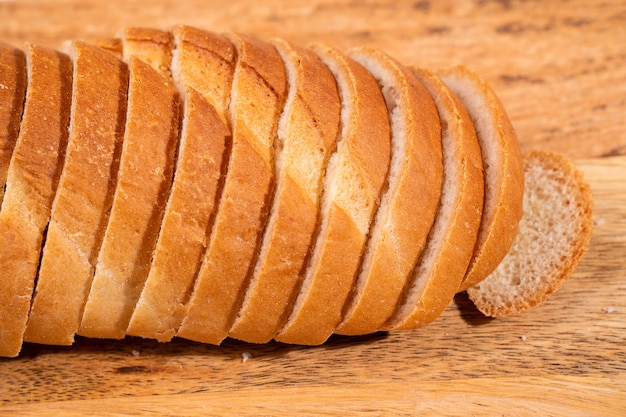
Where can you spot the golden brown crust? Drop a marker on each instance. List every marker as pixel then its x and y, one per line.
pixel 504 171
pixel 409 203
pixel 152 46
pixel 12 92
pixel 84 195
pixel 31 183
pixel 205 61
pixel 443 263
pixel 144 180
pixel 186 222
pixel 307 134
pixel 111 45
pixel 355 178
pixel 554 234
pixel 257 98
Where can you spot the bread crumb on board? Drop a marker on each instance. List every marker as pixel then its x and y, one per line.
pixel 609 310
pixel 245 356
pixel 522 338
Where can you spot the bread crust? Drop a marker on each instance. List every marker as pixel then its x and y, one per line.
pixel 503 167
pixel 12 93
pixel 352 186
pixel 449 248
pixel 152 46
pixel 540 261
pixel 84 195
pixel 307 135
pixel 409 203
pixel 186 222
pixel 204 61
pixel 32 179
pixel 257 98
pixel 144 181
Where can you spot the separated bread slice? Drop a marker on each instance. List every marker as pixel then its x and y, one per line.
pixel 12 91
pixel 554 234
pixel 186 222
pixel 409 203
pixel 352 186
pixel 204 61
pixel 84 195
pixel 256 101
pixel 152 46
pixel 442 264
pixel 144 181
pixel 503 171
pixel 32 180
pixel 307 134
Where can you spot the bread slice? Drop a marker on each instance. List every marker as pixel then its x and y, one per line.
pixel 32 180
pixel 307 134
pixel 257 99
pixel 204 61
pixel 409 203
pixel 12 92
pixel 112 45
pixel 503 170
pixel 186 222
pixel 449 247
pixel 144 181
pixel 553 236
pixel 353 182
pixel 152 46
pixel 84 195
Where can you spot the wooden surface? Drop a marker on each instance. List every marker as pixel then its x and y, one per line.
pixel 560 69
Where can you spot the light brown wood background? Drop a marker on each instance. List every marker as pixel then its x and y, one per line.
pixel 560 69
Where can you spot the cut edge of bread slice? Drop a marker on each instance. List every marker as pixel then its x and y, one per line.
pixel 12 96
pixel 409 203
pixel 144 180
pixel 257 97
pixel 503 169
pixel 307 133
pixel 554 234
pixel 449 248
pixel 84 195
pixel 187 221
pixel 152 46
pixel 32 179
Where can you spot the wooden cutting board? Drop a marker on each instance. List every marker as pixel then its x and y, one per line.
pixel 560 69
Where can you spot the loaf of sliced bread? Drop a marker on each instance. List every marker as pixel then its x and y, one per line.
pixel 352 185
pixel 554 233
pixel 84 195
pixel 442 264
pixel 144 181
pixel 256 101
pixel 32 180
pixel 409 203
pixel 12 91
pixel 307 134
pixel 503 170
pixel 186 222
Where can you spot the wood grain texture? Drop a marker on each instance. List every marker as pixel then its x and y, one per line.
pixel 558 66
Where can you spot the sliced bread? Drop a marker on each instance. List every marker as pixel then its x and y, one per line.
pixel 257 97
pixel 554 234
pixel 144 181
pixel 12 91
pixel 409 202
pixel 503 170
pixel 186 222
pixel 32 180
pixel 449 248
pixel 307 134
pixel 352 185
pixel 84 195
